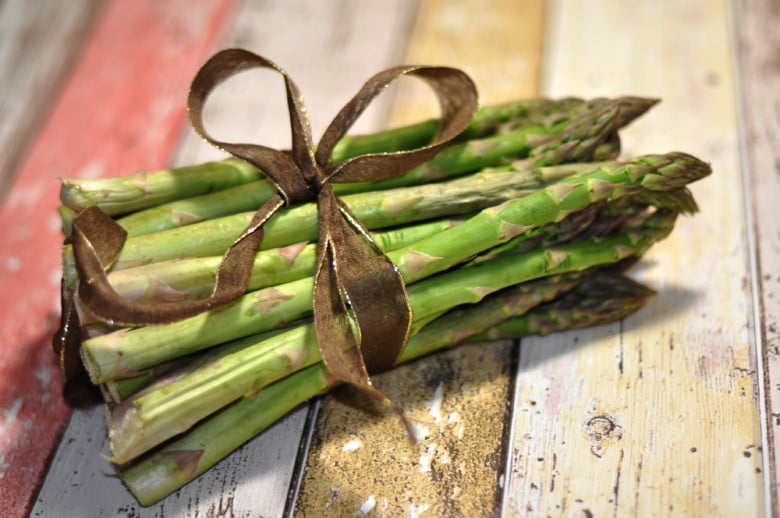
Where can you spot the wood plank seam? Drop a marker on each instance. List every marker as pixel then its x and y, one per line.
pixel 740 49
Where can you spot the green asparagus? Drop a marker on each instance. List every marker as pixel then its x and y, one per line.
pixel 144 422
pixel 122 353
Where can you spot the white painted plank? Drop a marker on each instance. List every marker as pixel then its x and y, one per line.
pixel 659 415
pixel 329 49
pixel 252 482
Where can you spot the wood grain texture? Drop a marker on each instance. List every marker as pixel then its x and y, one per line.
pixel 359 464
pixel 657 415
pixel 77 140
pixel 37 44
pixel 759 72
pixel 254 481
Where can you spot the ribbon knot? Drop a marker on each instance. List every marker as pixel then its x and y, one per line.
pixel 361 309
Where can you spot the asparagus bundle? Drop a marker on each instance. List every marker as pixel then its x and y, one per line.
pixel 523 225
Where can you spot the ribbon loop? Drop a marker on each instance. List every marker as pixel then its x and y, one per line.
pixel 361 309
pixel 457 98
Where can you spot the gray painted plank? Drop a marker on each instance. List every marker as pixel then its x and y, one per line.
pixel 38 41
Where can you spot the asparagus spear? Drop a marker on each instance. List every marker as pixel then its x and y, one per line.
pixel 174 404
pixel 487 121
pixel 128 193
pixel 186 457
pixel 155 416
pixel 119 389
pixel 122 353
pixel 597 299
pixel 121 194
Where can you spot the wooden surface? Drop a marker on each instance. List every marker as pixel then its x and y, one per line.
pixel 672 412
pixel 660 411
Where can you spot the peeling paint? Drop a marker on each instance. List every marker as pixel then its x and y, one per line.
pixel 11 413
pixel 367 506
pixel 352 445
pixel 435 407
pixel 426 458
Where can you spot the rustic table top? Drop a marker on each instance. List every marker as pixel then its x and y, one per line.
pixel 671 412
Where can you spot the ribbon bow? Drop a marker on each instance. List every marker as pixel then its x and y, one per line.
pixel 361 309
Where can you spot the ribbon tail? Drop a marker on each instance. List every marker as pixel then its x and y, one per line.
pixel 361 310
pixel 339 337
pixel 77 390
pixel 98 240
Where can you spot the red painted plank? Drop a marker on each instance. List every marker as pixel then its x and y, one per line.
pixel 122 109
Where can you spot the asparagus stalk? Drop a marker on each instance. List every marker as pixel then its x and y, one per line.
pixel 158 415
pixel 129 193
pixel 374 209
pixel 186 457
pixel 122 194
pixel 596 300
pixel 123 353
pixel 487 121
pixel 173 405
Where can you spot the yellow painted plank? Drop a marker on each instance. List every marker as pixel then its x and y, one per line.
pixel 497 42
pixel 658 415
pixel 361 463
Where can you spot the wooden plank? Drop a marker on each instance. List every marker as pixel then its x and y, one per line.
pixel 255 479
pixel 658 415
pixel 78 140
pixel 360 463
pixel 80 482
pixel 37 45
pixel 759 48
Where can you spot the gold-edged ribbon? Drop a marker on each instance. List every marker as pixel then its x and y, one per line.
pixel 361 309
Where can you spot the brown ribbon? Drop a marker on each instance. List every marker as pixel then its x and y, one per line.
pixel 361 308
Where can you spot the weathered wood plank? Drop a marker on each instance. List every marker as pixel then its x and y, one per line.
pixel 79 139
pixel 353 42
pixel 37 44
pixel 253 482
pixel 658 415
pixel 759 72
pixel 362 464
